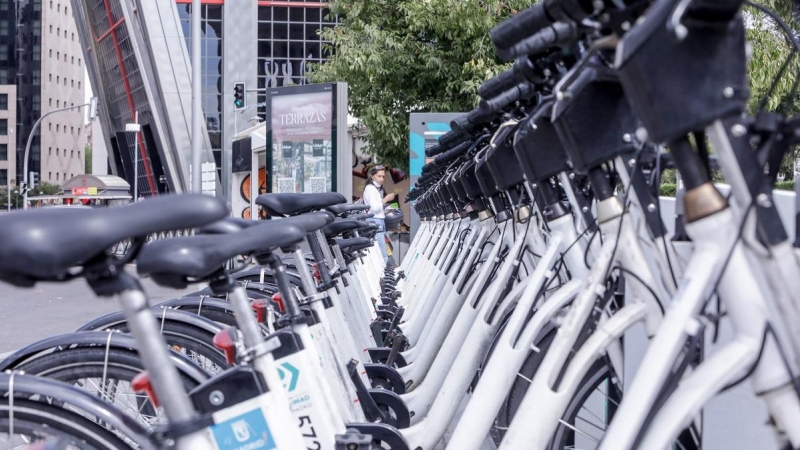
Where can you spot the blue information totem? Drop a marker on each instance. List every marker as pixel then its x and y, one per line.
pixel 425 130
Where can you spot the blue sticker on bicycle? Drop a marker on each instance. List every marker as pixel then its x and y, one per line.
pixel 248 431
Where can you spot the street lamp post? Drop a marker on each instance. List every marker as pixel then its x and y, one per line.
pixel 135 127
pixel 92 111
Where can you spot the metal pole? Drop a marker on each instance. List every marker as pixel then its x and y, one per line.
pixel 9 199
pixel 196 112
pixel 136 159
pixel 28 149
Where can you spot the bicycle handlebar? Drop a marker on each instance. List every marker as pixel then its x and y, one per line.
pixel 452 154
pixel 520 26
pixel 559 33
pixel 538 17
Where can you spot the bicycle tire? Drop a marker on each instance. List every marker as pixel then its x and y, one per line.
pixel 191 339
pixel 41 420
pixel 73 365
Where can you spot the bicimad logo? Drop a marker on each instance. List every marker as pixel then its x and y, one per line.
pixel 288 375
pixel 241 430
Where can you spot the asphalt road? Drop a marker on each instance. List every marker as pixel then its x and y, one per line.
pixel 27 315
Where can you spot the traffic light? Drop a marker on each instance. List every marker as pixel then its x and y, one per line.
pixel 34 179
pixel 238 95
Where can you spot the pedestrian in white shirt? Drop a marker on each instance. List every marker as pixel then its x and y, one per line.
pixel 376 198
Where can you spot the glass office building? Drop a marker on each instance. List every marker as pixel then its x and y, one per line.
pixel 287 43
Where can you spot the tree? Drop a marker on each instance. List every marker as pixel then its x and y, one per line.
pixel 408 55
pixel 16 198
pixel 45 188
pixel 770 50
pixel 87 162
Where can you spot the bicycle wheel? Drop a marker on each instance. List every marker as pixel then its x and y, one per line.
pixel 520 387
pixel 107 375
pixel 195 343
pixel 591 409
pixel 35 421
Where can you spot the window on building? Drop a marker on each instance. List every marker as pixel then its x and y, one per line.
pixel 66 10
pixel 72 154
pixel 3 152
pixel 58 55
pixel 72 82
pixel 3 102
pixel 65 55
pixel 79 84
pixel 50 77
pixel 51 53
pixel 51 4
pixel 4 6
pixel 3 127
pixel 50 125
pixel 4 24
pixel 57 176
pixel 58 78
pixel 37 77
pixel 3 177
pixel 58 128
pixel 71 130
pixel 58 105
pixel 72 60
pixel 58 151
pixel 3 52
pixel 79 152
pixel 49 176
pixel 37 52
pixel 66 34
pixel 37 28
pixel 59 7
pixel 79 62
pixel 37 6
pixel 51 29
pixel 73 37
pixel 3 76
pixel 50 103
pixel 58 31
pixel 49 151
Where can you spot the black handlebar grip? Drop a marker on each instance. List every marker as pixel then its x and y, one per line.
pixel 557 34
pixel 451 138
pixel 480 115
pixel 460 124
pixel 520 26
pixel 452 154
pixel 434 150
pixel 498 84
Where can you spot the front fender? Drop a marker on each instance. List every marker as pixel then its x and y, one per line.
pixel 95 338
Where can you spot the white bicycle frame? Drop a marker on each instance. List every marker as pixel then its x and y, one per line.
pixel 544 403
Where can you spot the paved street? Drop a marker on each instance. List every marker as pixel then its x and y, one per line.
pixel 27 315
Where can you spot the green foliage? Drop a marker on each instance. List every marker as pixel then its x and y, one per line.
pixel 785 185
pixel 770 49
pixel 45 188
pixel 667 190
pixel 407 56
pixel 87 162
pixel 16 198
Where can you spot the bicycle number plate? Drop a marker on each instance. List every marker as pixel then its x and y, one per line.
pixel 242 427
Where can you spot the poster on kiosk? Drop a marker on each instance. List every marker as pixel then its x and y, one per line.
pixel 300 147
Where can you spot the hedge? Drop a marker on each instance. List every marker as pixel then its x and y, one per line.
pixel 668 189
